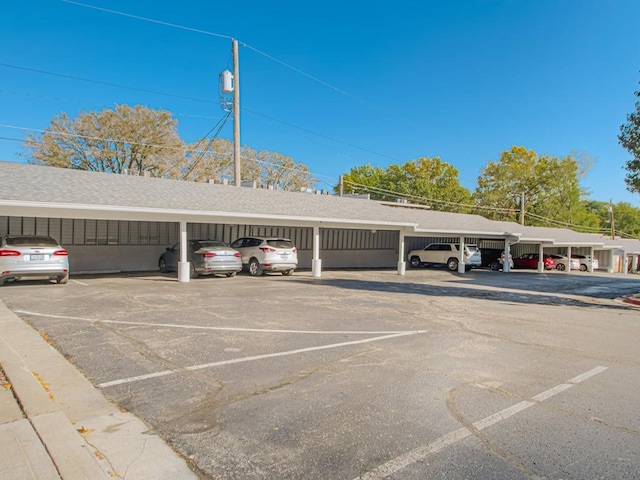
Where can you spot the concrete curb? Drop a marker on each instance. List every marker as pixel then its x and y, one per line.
pixel 81 434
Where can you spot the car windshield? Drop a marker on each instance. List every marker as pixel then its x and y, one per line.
pixel 211 243
pixel 280 243
pixel 32 241
pixel 472 248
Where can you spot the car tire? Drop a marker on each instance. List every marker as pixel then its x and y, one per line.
pixel 560 267
pixel 162 265
pixel 415 262
pixel 193 273
pixel 232 274
pixel 255 270
pixel 583 267
pixel 452 264
pixel 62 280
pixel 287 273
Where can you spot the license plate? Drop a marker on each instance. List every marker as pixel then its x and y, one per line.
pixel 284 256
pixel 36 257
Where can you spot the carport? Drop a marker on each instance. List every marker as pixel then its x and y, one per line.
pixel 38 191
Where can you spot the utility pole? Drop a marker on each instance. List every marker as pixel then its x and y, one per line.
pixel 522 209
pixel 613 225
pixel 341 185
pixel 236 115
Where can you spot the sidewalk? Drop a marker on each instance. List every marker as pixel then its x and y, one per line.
pixel 55 425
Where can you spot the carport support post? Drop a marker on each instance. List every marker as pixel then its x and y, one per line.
pixel 634 263
pixel 612 259
pixel 402 265
pixel 316 262
pixel 590 264
pixel 506 266
pixel 568 259
pixel 540 259
pixel 461 265
pixel 183 265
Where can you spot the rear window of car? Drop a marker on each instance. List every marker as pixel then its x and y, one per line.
pixel 32 241
pixel 211 243
pixel 280 243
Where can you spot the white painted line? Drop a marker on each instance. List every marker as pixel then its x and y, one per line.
pixel 228 329
pixel 79 283
pixel 256 357
pixel 403 461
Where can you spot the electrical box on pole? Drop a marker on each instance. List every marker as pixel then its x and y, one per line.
pixel 226 82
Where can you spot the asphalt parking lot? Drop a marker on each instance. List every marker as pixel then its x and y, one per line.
pixel 363 374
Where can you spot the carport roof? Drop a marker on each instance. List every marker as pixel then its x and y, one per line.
pixel 34 190
pixel 39 191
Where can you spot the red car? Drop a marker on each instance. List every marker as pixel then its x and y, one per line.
pixel 530 260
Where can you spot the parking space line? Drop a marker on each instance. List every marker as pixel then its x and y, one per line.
pixel 257 357
pixel 202 327
pixel 393 466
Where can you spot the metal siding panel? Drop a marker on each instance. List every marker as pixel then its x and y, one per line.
pixel 123 232
pixel 66 237
pixel 28 226
pixel 153 233
pixel 90 237
pixel 112 232
pixel 102 235
pixel 134 233
pixel 55 229
pixel 78 232
pixel 42 226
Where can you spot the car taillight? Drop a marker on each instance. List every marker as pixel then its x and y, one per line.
pixel 295 249
pixel 9 253
pixel 61 253
pixel 267 249
pixel 237 254
pixel 209 255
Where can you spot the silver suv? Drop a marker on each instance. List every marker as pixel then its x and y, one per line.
pixel 273 254
pixel 445 254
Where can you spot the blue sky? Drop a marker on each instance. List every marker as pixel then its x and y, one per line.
pixel 338 84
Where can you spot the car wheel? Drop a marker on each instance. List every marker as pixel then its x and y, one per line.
pixel 288 273
pixel 162 265
pixel 415 262
pixel 452 264
pixel 192 271
pixel 254 268
pixel 495 266
pixel 583 268
pixel 62 280
pixel 560 267
pixel 232 274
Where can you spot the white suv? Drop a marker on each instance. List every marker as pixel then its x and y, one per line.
pixel 260 254
pixel 445 254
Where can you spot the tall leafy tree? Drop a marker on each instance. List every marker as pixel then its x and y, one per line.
pixel 213 159
pixel 629 138
pixel 137 139
pixel 550 185
pixel 428 181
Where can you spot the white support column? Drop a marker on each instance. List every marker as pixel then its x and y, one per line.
pixel 612 259
pixel 625 264
pixel 634 264
pixel 183 265
pixel 568 259
pixel 540 259
pixel 590 264
pixel 461 266
pixel 316 262
pixel 402 265
pixel 506 266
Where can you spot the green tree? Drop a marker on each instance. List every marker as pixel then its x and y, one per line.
pixel 136 139
pixel 629 138
pixel 428 181
pixel 551 187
